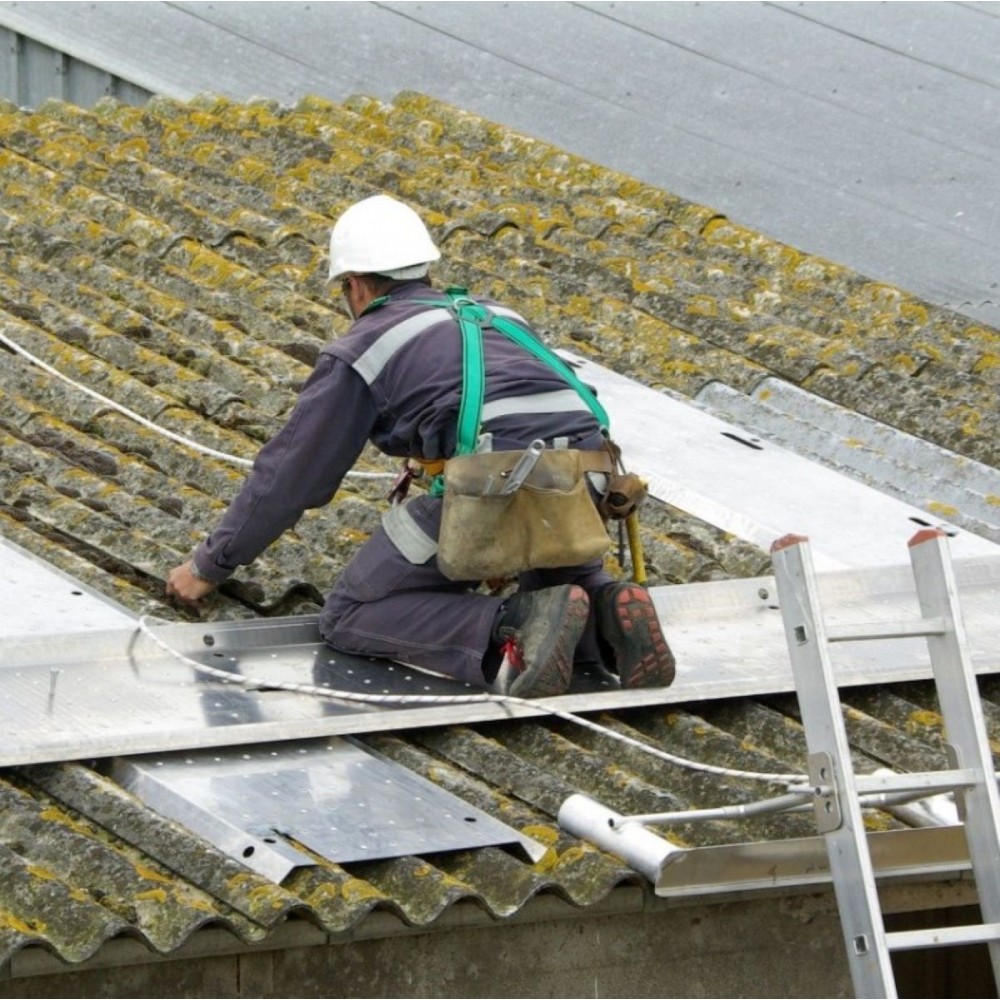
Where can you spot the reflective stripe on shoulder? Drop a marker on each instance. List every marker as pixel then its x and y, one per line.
pixel 371 363
pixel 509 314
pixel 559 401
pixel 411 540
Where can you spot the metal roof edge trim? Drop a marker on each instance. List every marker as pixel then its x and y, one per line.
pixel 66 42
pixel 925 853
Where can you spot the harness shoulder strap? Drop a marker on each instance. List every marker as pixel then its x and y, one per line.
pixel 472 317
pixel 470 413
pixel 520 336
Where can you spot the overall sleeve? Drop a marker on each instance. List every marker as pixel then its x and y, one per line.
pixel 299 468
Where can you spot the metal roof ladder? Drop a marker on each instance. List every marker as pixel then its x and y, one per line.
pixel 836 788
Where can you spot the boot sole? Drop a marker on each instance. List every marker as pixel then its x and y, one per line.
pixel 548 652
pixel 628 621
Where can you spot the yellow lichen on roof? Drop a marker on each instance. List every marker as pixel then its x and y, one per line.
pixel 173 257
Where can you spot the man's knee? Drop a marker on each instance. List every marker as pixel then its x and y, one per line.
pixel 337 607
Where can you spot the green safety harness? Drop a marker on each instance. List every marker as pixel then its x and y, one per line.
pixel 472 317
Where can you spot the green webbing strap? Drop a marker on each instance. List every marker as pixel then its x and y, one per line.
pixel 470 320
pixel 524 339
pixel 471 317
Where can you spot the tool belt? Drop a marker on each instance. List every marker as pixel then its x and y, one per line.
pixel 547 521
pixel 507 512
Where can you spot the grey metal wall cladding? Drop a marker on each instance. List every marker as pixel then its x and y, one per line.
pixel 32 72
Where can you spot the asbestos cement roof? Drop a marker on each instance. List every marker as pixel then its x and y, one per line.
pixel 861 132
pixel 172 257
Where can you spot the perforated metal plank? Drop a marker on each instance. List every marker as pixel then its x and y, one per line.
pixel 342 801
pixel 37 599
pixel 109 694
pixel 755 489
pixel 118 693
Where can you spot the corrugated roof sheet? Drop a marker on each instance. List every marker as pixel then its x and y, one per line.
pixel 172 257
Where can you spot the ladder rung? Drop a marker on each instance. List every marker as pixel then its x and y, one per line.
pixel 848 850
pixel 943 937
pixel 886 630
pixel 925 781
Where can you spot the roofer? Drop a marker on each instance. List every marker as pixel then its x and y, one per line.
pixel 398 379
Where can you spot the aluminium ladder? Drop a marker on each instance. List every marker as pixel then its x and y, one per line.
pixel 836 787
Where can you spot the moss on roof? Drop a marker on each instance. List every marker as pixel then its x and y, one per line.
pixel 173 257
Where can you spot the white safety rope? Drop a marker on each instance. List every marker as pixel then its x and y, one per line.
pixel 156 428
pixel 479 697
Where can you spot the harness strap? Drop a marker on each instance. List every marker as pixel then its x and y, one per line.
pixel 472 317
pixel 524 339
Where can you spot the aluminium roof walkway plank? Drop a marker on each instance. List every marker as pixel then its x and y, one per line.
pixel 94 695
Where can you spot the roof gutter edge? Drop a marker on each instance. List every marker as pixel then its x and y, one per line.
pixel 694 876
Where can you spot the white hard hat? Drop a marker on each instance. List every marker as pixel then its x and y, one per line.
pixel 380 235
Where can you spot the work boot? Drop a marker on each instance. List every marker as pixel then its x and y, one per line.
pixel 536 633
pixel 627 623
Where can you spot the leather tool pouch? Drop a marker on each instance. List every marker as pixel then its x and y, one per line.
pixel 550 521
pixel 625 494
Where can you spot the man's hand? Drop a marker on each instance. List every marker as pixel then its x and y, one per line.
pixel 185 586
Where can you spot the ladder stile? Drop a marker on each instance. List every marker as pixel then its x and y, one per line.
pixel 838 808
pixel 836 790
pixel 965 726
